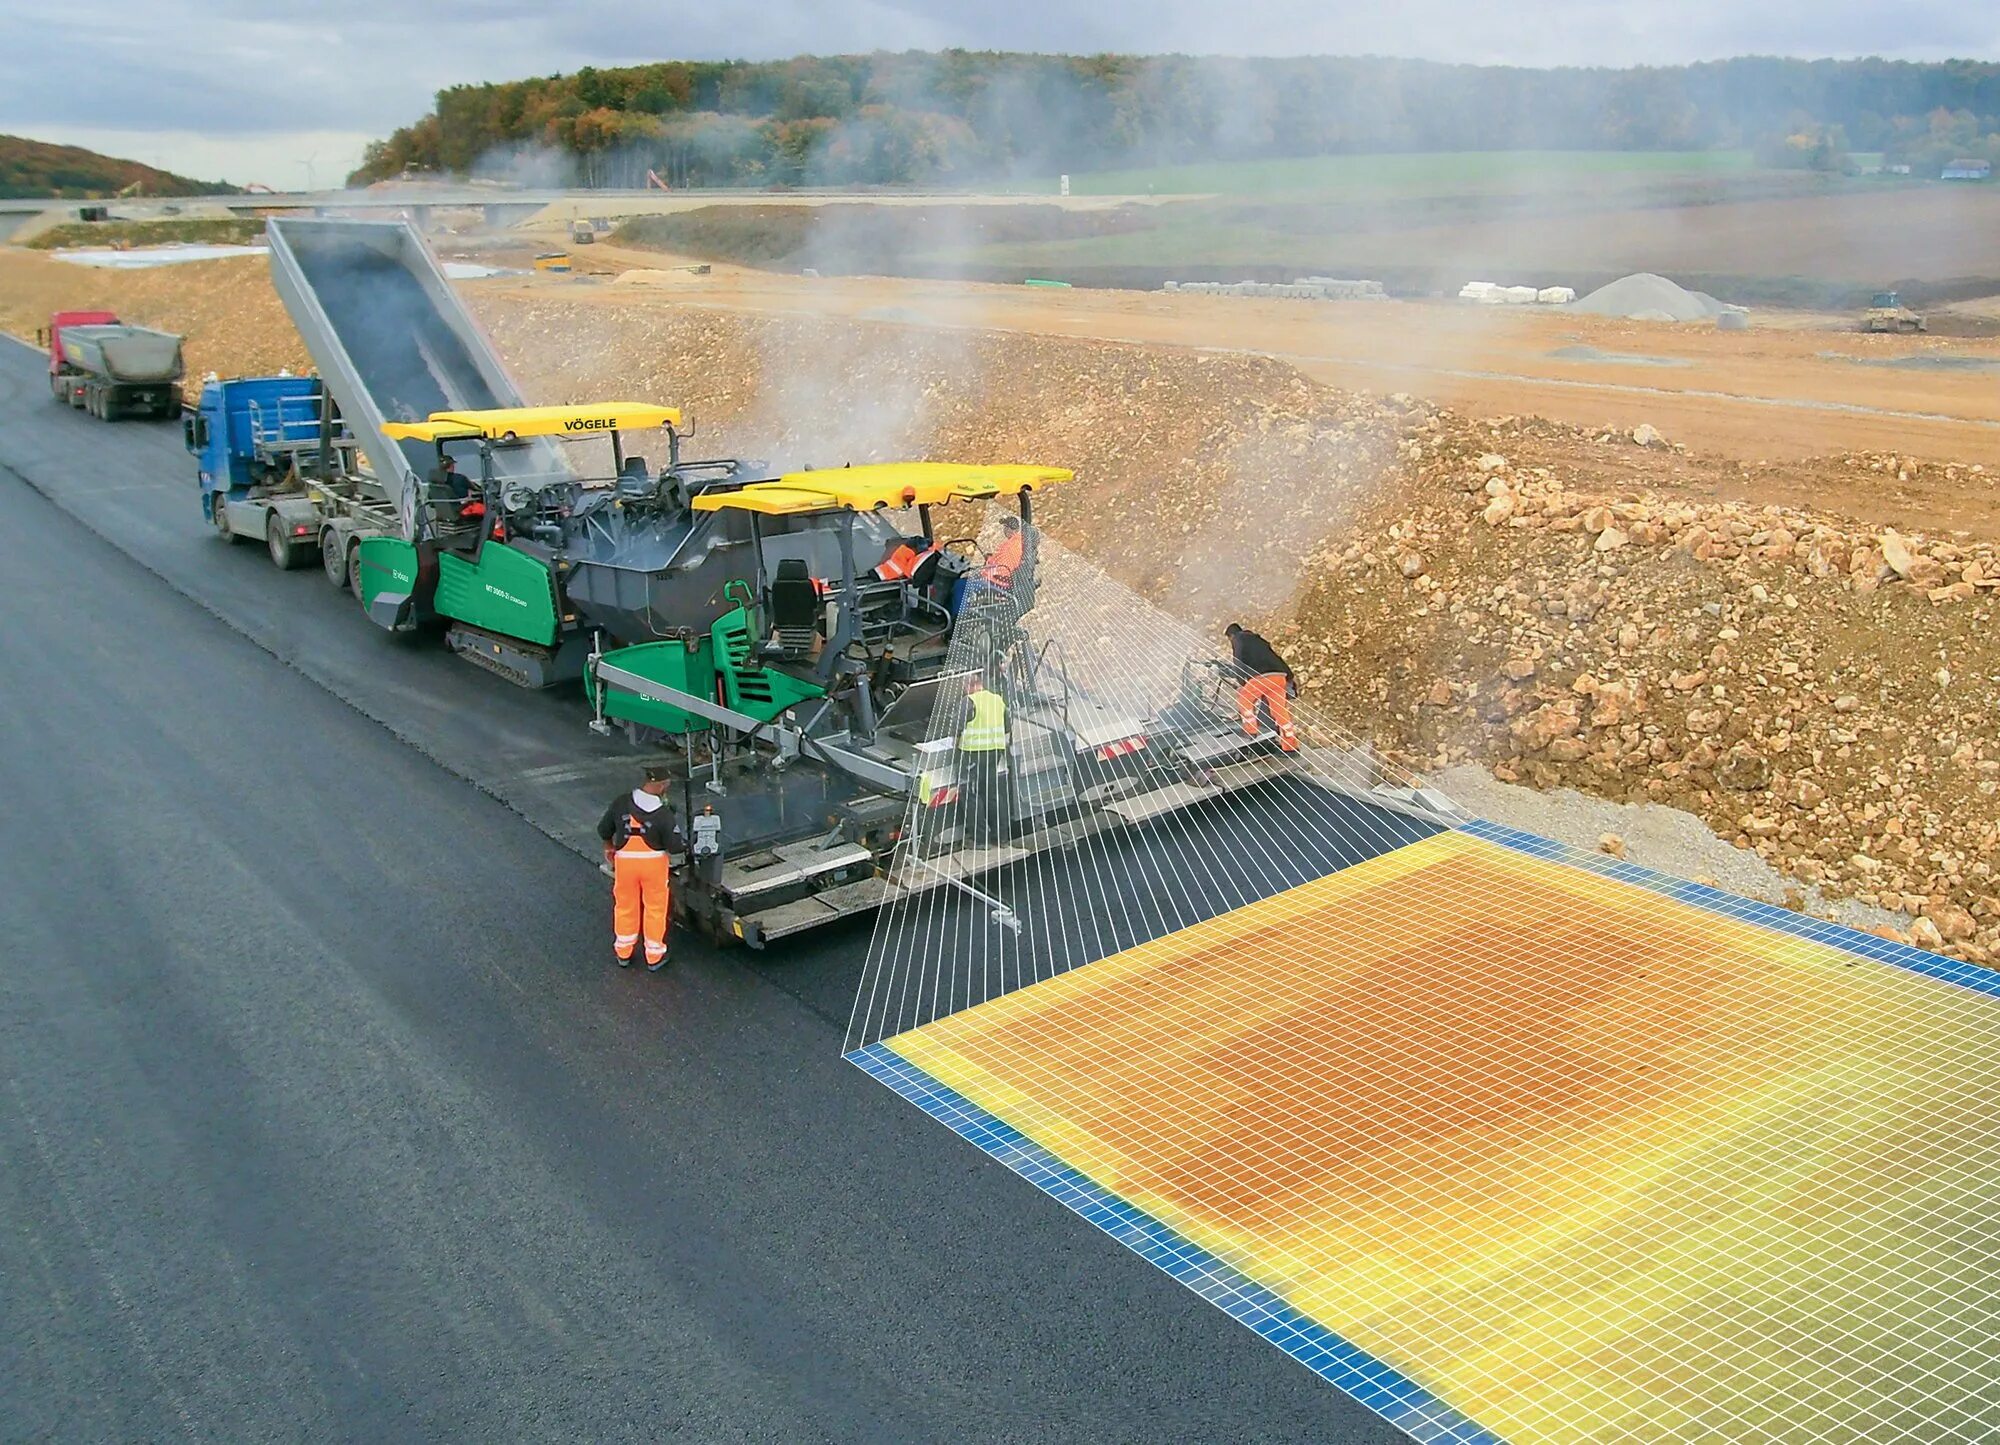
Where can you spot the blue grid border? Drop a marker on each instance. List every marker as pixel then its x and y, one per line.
pixel 1388 1392
pixel 1744 910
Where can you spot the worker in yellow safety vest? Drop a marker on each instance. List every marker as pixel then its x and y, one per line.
pixel 639 836
pixel 982 751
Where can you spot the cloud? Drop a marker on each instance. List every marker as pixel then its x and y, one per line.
pixel 233 71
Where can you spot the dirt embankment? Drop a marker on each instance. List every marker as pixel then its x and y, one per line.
pixel 1564 605
pixel 232 320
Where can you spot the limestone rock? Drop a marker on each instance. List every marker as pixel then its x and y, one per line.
pixel 1744 770
pixel 1954 924
pixel 1535 732
pixel 1896 553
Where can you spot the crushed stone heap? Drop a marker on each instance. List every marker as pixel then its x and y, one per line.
pixel 1646 297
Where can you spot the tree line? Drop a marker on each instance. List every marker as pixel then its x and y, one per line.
pixel 955 116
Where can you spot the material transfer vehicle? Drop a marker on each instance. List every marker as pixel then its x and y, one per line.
pixel 798 643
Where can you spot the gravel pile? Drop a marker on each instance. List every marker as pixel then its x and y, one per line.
pixel 1652 835
pixel 1646 297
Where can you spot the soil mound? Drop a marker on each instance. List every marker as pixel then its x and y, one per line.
pixel 1646 297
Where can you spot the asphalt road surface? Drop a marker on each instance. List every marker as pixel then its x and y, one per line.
pixel 323 1115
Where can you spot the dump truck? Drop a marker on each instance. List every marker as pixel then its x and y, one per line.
pixel 112 370
pixel 1886 312
pixel 276 464
pixel 792 642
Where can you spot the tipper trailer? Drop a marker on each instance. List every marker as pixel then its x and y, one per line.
pixel 795 643
pixel 111 370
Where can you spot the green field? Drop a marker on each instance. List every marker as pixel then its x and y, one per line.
pixel 1421 224
pixel 1420 174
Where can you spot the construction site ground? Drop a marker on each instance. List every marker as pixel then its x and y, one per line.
pixel 1748 575
pixel 310 1131
pixel 1796 386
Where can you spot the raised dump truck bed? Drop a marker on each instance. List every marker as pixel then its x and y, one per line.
pixel 386 331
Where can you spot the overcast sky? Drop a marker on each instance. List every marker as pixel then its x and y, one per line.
pixel 289 92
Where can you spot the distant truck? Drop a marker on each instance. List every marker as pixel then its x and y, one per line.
pixel 277 465
pixel 112 370
pixel 1886 312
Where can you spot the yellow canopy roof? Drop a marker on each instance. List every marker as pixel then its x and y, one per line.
pixel 885 484
pixel 535 421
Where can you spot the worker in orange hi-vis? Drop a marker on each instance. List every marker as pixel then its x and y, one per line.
pixel 639 836
pixel 1267 682
pixel 1005 560
pixel 904 559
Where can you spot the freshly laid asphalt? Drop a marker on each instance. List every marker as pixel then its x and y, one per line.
pixel 323 1114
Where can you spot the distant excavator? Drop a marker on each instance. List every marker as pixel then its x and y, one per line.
pixel 1886 312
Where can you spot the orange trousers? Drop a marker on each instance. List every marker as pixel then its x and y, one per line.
pixel 1269 689
pixel 641 894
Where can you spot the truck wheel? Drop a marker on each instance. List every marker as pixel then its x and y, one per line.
pixel 284 556
pixel 219 516
pixel 333 557
pixel 354 568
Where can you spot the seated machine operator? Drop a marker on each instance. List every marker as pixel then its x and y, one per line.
pixel 448 485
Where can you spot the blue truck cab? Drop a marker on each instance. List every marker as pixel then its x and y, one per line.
pixel 277 465
pixel 245 432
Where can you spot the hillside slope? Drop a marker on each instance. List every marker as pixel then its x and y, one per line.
pixel 42 168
